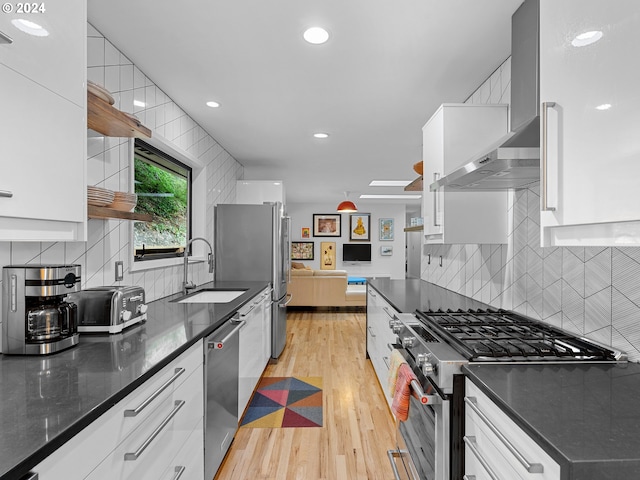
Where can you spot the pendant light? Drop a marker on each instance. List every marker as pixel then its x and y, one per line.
pixel 347 206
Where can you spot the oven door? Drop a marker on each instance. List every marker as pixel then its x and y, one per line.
pixel 423 440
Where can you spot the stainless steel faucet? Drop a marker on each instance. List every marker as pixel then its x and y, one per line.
pixel 186 284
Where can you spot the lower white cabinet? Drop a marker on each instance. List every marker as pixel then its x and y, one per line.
pixel 254 355
pixel 497 448
pixel 380 336
pixel 144 434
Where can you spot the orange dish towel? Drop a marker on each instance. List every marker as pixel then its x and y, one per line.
pixel 394 364
pixel 402 395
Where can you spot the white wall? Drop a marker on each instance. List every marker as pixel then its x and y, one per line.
pixel 391 266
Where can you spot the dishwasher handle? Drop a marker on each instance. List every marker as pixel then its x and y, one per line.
pixel 219 344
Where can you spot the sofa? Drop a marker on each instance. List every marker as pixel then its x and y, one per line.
pixel 324 288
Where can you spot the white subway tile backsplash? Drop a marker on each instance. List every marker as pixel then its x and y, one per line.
pixel 95 52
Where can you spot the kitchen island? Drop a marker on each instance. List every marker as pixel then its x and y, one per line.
pixel 46 400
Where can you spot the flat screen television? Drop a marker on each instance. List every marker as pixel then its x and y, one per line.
pixel 356 252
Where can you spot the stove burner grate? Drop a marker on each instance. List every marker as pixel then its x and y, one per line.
pixel 498 334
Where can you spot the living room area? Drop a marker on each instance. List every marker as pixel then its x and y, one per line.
pixel 334 253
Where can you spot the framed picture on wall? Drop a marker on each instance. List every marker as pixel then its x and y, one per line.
pixel 386 229
pixel 326 225
pixel 305 232
pixel 327 255
pixel 302 250
pixel 359 226
pixel 386 250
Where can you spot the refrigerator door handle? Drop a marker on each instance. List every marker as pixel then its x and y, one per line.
pixel 287 302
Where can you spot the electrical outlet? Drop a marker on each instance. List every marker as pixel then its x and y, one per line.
pixel 119 271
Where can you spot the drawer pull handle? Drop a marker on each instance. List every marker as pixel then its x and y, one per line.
pixel 135 455
pixel 473 446
pixel 373 335
pixel 529 467
pixel 154 395
pixel 4 38
pixel 386 361
pixel 386 310
pixel 180 470
pixel 469 477
pixel 6 193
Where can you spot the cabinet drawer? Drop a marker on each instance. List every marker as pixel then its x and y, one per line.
pixel 110 429
pixel 542 466
pixel 188 464
pixel 150 449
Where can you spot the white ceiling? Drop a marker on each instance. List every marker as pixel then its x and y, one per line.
pixel 386 68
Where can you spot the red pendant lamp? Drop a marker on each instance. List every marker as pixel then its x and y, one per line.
pixel 347 206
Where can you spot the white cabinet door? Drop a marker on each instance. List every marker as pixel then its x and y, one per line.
pixel 45 171
pixel 266 327
pixel 379 336
pixel 252 355
pixel 593 146
pixel 452 136
pixel 56 61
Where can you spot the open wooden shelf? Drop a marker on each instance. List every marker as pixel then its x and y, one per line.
pixel 415 186
pixel 103 212
pixel 417 228
pixel 109 121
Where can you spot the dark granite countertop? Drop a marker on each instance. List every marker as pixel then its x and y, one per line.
pixel 410 295
pixel 46 400
pixel 585 416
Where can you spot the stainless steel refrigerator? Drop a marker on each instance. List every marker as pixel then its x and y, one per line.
pixel 252 244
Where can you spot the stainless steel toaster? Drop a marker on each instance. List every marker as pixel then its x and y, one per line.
pixel 109 309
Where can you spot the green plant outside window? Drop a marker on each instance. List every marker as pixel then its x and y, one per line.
pixel 163 187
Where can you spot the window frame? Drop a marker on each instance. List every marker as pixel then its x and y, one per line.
pixel 189 177
pixel 197 199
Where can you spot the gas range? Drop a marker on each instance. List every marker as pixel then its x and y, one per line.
pixel 440 342
pixel 436 345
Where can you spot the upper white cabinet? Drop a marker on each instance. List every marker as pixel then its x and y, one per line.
pixel 260 191
pixel 43 123
pixel 454 134
pixel 589 93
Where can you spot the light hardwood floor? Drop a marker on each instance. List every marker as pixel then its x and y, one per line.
pixel 358 428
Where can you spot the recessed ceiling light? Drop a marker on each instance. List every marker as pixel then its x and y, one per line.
pixel 396 197
pixel 604 106
pixel 138 103
pixel 316 35
pixel 586 38
pixel 389 183
pixel 213 104
pixel 29 27
pixel 321 135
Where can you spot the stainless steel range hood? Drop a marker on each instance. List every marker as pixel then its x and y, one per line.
pixel 514 160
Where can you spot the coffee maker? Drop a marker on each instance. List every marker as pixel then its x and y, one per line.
pixel 38 318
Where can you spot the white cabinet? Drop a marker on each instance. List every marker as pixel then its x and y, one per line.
pixel 454 134
pixel 380 336
pixel 593 146
pixel 495 447
pixel 124 444
pixel 43 124
pixel 254 355
pixel 260 191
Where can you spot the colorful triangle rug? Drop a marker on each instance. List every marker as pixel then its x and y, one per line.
pixel 285 402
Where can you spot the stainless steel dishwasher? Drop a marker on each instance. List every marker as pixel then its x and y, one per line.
pixel 221 358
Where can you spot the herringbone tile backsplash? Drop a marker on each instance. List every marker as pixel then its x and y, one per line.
pixel 591 291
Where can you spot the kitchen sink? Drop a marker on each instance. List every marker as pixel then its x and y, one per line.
pixel 211 296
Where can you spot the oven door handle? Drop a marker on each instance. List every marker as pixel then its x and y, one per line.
pixel 393 454
pixel 423 397
pixel 529 467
